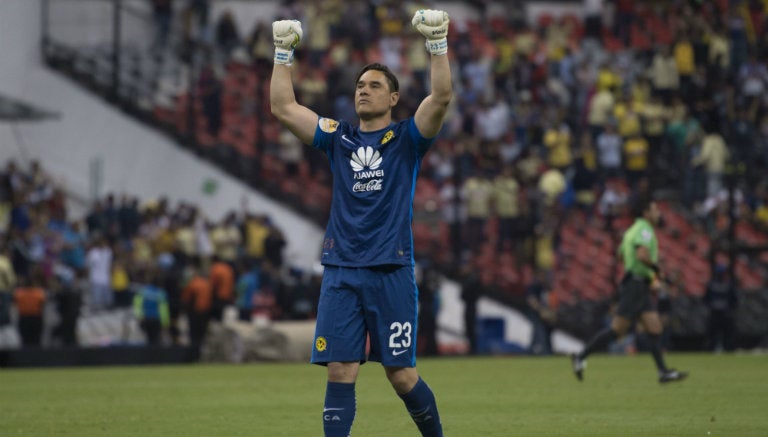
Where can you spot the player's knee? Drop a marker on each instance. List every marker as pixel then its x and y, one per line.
pixel 403 379
pixel 620 327
pixel 343 372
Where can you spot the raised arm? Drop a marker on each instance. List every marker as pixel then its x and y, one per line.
pixel 431 112
pixel 297 118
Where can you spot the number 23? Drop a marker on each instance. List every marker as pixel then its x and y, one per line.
pixel 401 334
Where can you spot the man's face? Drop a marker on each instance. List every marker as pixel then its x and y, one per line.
pixel 653 213
pixel 373 97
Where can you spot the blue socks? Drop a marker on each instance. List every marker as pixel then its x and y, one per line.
pixel 420 402
pixel 339 410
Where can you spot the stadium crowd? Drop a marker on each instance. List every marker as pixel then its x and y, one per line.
pixel 163 260
pixel 556 120
pixel 562 114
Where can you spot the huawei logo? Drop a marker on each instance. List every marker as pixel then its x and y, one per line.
pixel 365 157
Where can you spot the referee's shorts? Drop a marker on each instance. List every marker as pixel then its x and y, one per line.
pixel 634 296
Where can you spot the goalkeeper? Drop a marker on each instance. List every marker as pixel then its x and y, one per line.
pixel 368 288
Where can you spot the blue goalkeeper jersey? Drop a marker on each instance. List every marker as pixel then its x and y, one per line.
pixel 374 180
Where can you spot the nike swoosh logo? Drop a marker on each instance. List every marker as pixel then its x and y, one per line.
pixel 344 137
pixel 396 353
pixel 332 409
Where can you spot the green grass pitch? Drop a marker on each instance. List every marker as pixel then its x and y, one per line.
pixel 726 395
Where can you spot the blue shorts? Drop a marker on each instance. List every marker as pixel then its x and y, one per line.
pixel 356 302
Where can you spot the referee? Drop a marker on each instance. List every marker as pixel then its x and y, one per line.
pixel 639 251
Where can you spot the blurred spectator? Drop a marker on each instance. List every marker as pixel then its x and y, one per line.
pixel 183 235
pixel 210 88
pixel 626 112
pixel 30 298
pixel 73 244
pixel 163 10
pixel 721 300
pixel 545 250
pixel 719 53
pixel 390 16
pixel 558 140
pixel 256 230
pixel 477 73
pixel 685 63
pixel 197 299
pixel 95 220
pixel 274 245
pixel 585 180
pixel 654 115
pixel 150 306
pixel 259 44
pixel 477 193
pixel 222 278
pixel 623 20
pixel 21 258
pixel 99 263
pixel 506 204
pixel 120 281
pixel 453 214
pixel 227 34
pixel 7 285
pixel 227 239
pixel 313 90
pixel 492 119
pixel 20 212
pixel 202 228
pixel 418 62
pixel 663 73
pixel 291 152
pixel 552 185
pixel 741 136
pixel 111 220
pixel 128 218
pixel 324 15
pixel 195 19
pixel 68 297
pixel 471 290
pixel 712 157
pixel 541 316
pixel 301 298
pixel 636 151
pixel 428 281
pixel 248 286
pixel 753 80
pixel 611 203
pixel 600 110
pixel 173 270
pixel 610 148
pixel 593 18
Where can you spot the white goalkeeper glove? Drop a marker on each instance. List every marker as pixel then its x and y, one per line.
pixel 286 35
pixel 433 25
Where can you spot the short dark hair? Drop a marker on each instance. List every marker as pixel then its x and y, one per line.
pixel 394 85
pixel 640 205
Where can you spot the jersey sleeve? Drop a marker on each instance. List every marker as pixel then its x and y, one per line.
pixel 326 128
pixel 422 144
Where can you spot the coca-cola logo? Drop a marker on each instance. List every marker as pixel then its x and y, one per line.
pixel 364 187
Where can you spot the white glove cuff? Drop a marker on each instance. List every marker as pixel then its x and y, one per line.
pixel 283 56
pixel 438 46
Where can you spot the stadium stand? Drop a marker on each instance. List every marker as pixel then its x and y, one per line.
pixel 673 81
